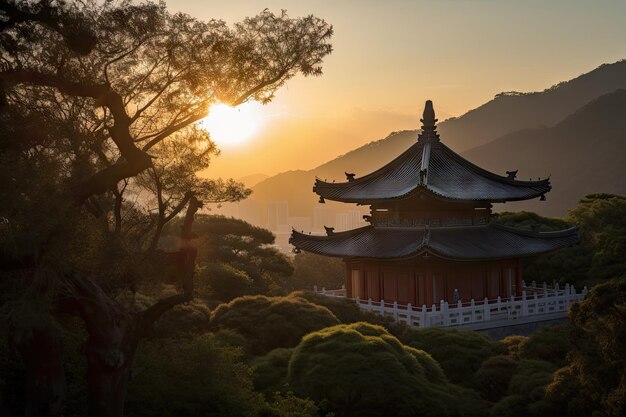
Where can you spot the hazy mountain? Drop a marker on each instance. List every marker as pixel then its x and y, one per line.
pixel 585 153
pixel 509 112
pixel 253 179
pixel 574 131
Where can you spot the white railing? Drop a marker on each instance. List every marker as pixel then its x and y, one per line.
pixel 341 292
pixel 536 303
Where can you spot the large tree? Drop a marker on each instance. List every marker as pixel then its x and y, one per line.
pixel 95 96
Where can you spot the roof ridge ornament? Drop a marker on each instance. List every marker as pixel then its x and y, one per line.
pixel 429 124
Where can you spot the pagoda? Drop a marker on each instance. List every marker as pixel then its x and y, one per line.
pixel 430 237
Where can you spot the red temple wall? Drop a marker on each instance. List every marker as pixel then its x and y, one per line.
pixel 427 282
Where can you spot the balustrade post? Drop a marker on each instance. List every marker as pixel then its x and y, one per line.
pixel 584 291
pixel 423 316
pixel 445 312
pixel 486 309
pixel 499 303
pixel 323 290
pixel 524 304
pixel 523 283
pixel 409 314
pixel 534 284
pixel 566 296
pixel 472 308
pixel 369 302
pixel 395 310
pixel 382 307
pixel 315 288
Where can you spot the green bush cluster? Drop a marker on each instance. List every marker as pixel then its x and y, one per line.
pixel 360 369
pixel 268 323
pixel 459 352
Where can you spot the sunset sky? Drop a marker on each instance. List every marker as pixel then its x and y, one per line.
pixel 390 56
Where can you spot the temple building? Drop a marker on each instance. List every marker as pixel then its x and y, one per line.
pixel 430 237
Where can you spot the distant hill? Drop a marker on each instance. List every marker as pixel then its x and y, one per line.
pixel 253 179
pixel 542 133
pixel 510 112
pixel 585 153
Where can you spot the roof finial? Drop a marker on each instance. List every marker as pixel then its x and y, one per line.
pixel 428 123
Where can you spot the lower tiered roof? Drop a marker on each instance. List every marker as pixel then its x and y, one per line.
pixel 491 241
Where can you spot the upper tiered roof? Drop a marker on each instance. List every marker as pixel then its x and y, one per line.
pixel 431 166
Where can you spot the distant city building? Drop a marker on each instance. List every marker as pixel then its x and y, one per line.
pixel 299 223
pixel 322 216
pixel 341 222
pixel 348 221
pixel 250 211
pixel 277 214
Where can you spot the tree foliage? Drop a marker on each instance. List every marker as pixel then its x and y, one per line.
pixel 237 258
pixel 270 371
pixel 99 150
pixel 599 254
pixel 493 377
pixel 594 380
pixel 311 269
pixel 190 377
pixel 362 370
pixel 459 352
pixel 268 323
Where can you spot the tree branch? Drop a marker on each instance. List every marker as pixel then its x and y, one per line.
pixel 133 160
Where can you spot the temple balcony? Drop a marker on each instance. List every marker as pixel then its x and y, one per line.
pixel 537 303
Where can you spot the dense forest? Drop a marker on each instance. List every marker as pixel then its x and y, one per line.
pixel 121 295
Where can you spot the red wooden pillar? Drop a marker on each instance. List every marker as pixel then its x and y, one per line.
pixel 348 280
pixel 412 285
pixel 428 286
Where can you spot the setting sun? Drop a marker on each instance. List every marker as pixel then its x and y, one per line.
pixel 232 126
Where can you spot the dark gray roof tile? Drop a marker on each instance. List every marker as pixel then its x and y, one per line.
pixel 464 243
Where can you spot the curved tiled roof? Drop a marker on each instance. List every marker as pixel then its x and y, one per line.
pixel 463 243
pixel 432 166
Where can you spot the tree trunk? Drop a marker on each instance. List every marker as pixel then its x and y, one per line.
pixel 110 350
pixel 41 350
pixel 114 332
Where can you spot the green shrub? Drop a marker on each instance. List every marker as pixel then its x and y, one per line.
pixel 361 370
pixel 194 376
pixel 527 392
pixel 531 378
pixel 224 281
pixel 270 371
pixel 271 322
pixel 347 311
pixel 594 382
pixel 194 316
pixel 510 406
pixel 511 345
pixel 549 343
pixel 288 405
pixel 493 377
pixel 459 352
pixel 311 269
